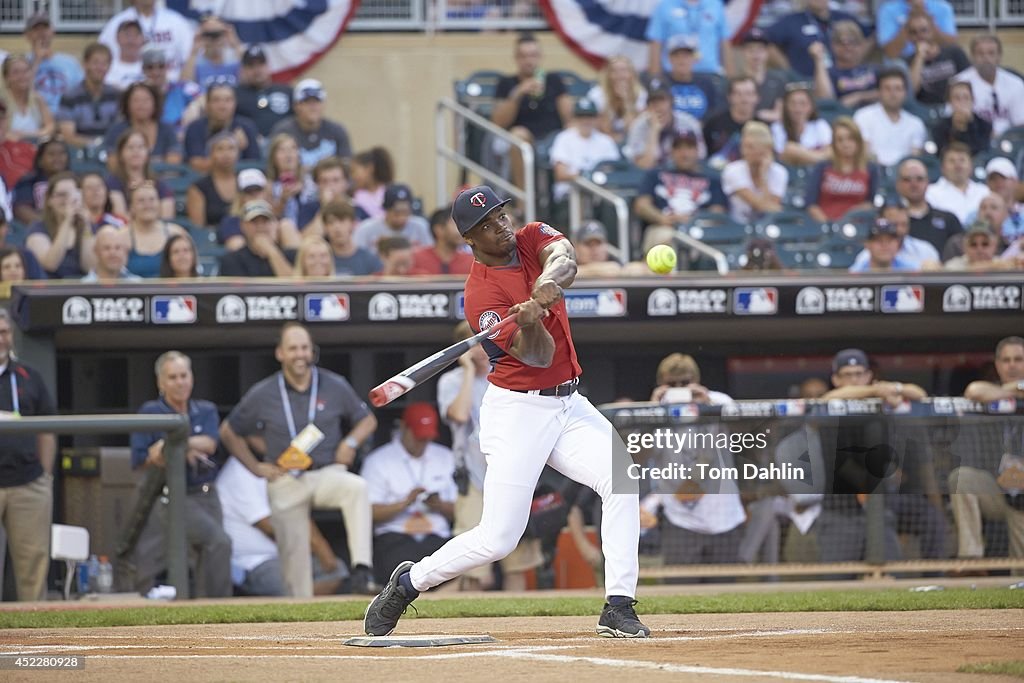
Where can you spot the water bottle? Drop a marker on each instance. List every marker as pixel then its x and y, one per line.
pixel 83 578
pixel 105 578
pixel 94 573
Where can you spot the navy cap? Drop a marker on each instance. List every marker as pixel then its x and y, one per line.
pixel 589 231
pixel 472 205
pixel 684 137
pixel 682 41
pixel 882 227
pixel 754 35
pixel 253 54
pixel 395 194
pixel 849 358
pixel 584 107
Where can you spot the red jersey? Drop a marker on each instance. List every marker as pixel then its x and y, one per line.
pixel 492 290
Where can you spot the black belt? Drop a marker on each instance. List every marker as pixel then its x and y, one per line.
pixel 563 389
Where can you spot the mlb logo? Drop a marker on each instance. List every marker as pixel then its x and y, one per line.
pixel 327 307
pixel 460 306
pixel 902 299
pixel 173 310
pixel 755 301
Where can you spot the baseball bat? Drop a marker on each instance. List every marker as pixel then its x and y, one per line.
pixel 407 379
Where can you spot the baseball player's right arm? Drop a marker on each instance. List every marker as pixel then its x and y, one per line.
pixel 533 344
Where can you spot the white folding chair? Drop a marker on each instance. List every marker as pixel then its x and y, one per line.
pixel 71 544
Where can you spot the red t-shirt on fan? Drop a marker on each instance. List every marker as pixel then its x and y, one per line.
pixel 840 192
pixel 492 290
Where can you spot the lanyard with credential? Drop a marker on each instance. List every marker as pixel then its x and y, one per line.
pixel 15 405
pixel 289 418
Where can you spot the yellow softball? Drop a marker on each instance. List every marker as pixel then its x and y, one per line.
pixel 661 259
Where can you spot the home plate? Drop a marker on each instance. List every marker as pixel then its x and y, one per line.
pixel 417 641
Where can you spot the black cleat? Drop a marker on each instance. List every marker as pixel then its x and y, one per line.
pixel 383 613
pixel 362 582
pixel 621 621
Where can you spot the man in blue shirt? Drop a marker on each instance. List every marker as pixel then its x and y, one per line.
pixel 178 95
pixel 702 20
pixel 220 116
pixel 204 529
pixel 692 93
pixel 909 254
pixel 893 23
pixel 794 33
pixel 882 246
pixel 56 72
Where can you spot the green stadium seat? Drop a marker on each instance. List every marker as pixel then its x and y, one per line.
pixel 837 254
pixel 575 85
pixel 854 226
pixel 718 229
pixel 830 110
pixel 791 226
pixel 478 90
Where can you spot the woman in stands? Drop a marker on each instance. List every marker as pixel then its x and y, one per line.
pixel 131 169
pixel 801 138
pixel 372 171
pixel 848 181
pixel 209 199
pixel 62 240
pixel 141 109
pixel 314 258
pixel 179 258
pixel 290 185
pixel 29 117
pixel 12 265
pixel 619 97
pixel 96 198
pixel 29 195
pixel 148 233
pixel 756 183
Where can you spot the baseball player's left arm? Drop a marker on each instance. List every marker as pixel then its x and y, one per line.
pixel 558 270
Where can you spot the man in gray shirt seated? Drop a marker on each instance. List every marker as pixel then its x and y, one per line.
pixel 317 136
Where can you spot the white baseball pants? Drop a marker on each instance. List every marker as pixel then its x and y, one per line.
pixel 519 434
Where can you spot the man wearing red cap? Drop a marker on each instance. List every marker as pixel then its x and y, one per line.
pixel 412 491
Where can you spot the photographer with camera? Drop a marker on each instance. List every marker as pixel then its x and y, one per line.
pixel 215 54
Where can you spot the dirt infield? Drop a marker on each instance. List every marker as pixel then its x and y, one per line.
pixel 829 647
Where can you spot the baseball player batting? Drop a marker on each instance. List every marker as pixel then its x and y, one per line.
pixel 531 416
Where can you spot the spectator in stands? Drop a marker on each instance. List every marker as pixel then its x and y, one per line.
pixel 220 117
pixel 670 196
pixel 701 21
pixel 372 172
pixel 12 265
pixel 260 256
pixel 26 480
pixel 1001 178
pixel 318 137
pixel 292 190
pixel 62 240
pixel 531 103
pixel 592 258
pixel 252 186
pixel 579 149
pixel 692 93
pixel 998 93
pixel 963 124
pixel 87 111
pixel 215 53
pixel 986 485
pixel 260 100
pixel 131 169
pixel 330 182
pixel 147 232
pixel 761 255
pixel 314 258
pixel 265 417
pixel 852 82
pixel 339 222
pixel 802 137
pixel 882 246
pixel 179 259
pixel 412 491
pixel 891 132
pixel 756 183
pixel 177 95
pixel 141 110
pixel 913 251
pixel 53 73
pixel 649 141
pixel 111 249
pixel 770 83
pixel 955 191
pixel 933 64
pixel 29 195
pixel 396 256
pixel 96 200
pixel 16 155
pixel 127 67
pixel 926 222
pixel 448 255
pixel 980 245
pixel 398 221
pixel 722 129
pixel 848 181
pixel 204 531
pixel 209 199
pixel 618 96
pixel 163 28
pixel 894 24
pixel 993 211
pixel 31 118
pixel 794 33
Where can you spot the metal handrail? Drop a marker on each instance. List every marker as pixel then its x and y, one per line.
pixel 580 184
pixel 177 429
pixel 527 195
pixel 721 263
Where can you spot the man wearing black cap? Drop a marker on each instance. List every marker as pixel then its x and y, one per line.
pixel 590 241
pixel 398 221
pixel 913 253
pixel 264 102
pixel 580 148
pixel 882 246
pixel 531 415
pixel 261 256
